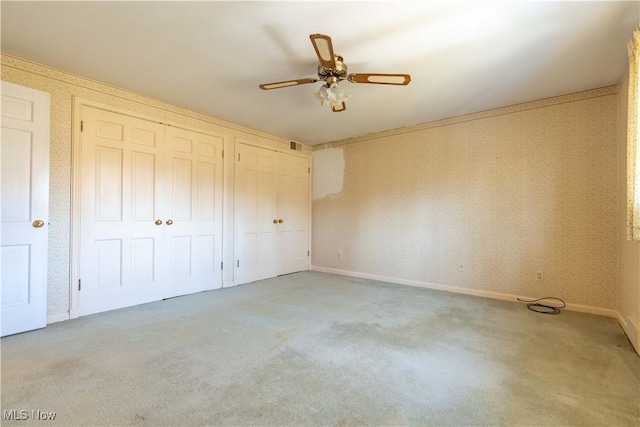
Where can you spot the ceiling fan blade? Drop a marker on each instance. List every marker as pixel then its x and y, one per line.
pixel 382 79
pixel 324 49
pixel 338 108
pixel 286 83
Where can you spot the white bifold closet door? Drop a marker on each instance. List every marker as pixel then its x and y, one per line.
pixel 151 211
pixel 272 213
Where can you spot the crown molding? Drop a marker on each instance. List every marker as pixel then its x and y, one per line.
pixel 7 60
pixel 532 105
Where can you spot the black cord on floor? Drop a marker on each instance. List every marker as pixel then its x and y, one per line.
pixel 535 305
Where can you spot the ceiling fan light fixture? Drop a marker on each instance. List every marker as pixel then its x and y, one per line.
pixel 331 94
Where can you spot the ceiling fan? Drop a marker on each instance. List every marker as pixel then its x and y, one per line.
pixel 333 70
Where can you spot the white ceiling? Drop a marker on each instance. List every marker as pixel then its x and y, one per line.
pixel 211 56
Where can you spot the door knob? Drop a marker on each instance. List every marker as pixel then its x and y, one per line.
pixel 280 221
pixel 158 222
pixel 275 221
pixel 38 223
pixel 169 222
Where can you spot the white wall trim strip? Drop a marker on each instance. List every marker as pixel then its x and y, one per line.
pixel 631 329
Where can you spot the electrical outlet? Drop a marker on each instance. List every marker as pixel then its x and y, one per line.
pixel 461 267
pixel 539 276
pixel 339 253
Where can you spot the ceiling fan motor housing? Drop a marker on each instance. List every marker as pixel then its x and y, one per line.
pixel 333 75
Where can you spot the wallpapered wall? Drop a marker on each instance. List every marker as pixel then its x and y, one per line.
pixel 506 193
pixel 63 87
pixel 629 252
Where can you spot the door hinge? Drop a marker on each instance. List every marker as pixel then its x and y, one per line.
pixel 238 264
pixel 309 170
pixel 79 284
pixel 307 253
pixel 221 265
pixel 223 154
pixel 81 125
pixel 238 156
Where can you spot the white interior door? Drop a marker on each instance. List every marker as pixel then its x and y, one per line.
pixel 256 215
pixel 121 249
pixel 194 214
pixel 293 213
pixel 24 205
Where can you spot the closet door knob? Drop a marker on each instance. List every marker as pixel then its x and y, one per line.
pixel 280 221
pixel 169 222
pixel 38 223
pixel 275 221
pixel 158 222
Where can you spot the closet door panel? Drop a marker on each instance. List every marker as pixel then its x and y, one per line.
pixel 294 210
pixel 121 259
pixel 256 238
pixel 194 220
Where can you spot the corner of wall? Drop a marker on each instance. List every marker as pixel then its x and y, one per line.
pixel 628 253
pixel 630 329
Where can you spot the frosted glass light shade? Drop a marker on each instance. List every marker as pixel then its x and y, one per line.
pixel 333 95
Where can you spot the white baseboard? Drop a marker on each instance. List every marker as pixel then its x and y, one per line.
pixel 607 312
pixel 466 291
pixel 55 318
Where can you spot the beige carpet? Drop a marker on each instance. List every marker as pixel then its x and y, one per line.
pixel 319 349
